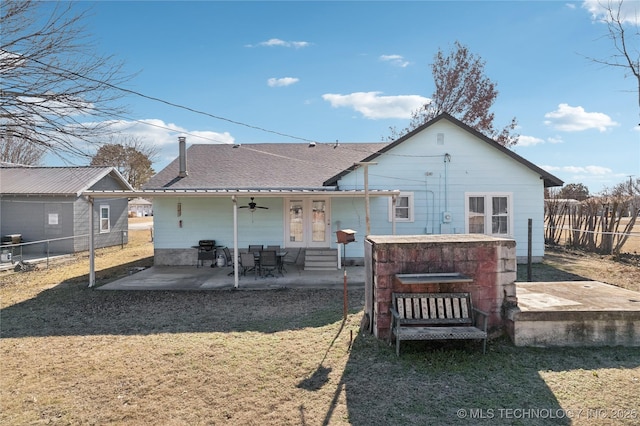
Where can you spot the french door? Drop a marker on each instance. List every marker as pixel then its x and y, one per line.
pixel 307 222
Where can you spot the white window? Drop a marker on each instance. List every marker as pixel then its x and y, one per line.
pixel 489 214
pixel 105 223
pixel 404 208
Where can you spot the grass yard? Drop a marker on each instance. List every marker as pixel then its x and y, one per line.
pixel 73 355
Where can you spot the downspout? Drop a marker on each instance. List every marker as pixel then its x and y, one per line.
pixel 394 199
pixel 426 207
pixel 92 251
pixel 447 159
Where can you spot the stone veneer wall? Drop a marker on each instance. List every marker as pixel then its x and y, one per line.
pixel 489 261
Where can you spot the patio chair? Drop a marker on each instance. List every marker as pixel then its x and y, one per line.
pixel 268 263
pixel 248 264
pixel 274 248
pixel 255 248
pixel 291 258
pixel 228 259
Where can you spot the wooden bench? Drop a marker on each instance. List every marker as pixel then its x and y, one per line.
pixel 435 316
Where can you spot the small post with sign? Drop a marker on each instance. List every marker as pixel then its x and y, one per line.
pixel 345 236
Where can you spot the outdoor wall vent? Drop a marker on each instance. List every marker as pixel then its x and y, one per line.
pixel 440 138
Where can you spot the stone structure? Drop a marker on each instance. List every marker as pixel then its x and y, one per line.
pixel 489 262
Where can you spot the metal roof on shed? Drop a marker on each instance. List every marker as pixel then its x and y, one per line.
pixel 64 181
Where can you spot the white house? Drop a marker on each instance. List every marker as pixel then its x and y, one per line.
pixel 139 207
pixel 444 177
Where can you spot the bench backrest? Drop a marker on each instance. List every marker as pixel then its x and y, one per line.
pixel 434 308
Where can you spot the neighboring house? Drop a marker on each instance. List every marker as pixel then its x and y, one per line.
pixel 45 203
pixel 139 207
pixel 450 178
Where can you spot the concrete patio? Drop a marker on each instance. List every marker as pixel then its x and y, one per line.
pixel 207 278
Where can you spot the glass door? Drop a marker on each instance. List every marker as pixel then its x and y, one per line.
pixel 308 223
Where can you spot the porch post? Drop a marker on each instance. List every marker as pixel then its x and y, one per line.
pixel 92 251
pixel 235 242
pixel 366 165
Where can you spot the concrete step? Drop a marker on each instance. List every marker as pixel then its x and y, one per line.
pixel 323 259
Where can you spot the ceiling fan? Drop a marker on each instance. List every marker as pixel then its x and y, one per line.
pixel 253 206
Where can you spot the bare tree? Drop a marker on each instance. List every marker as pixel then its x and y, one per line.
pixel 623 29
pixel 130 155
pixel 56 93
pixel 14 150
pixel 463 90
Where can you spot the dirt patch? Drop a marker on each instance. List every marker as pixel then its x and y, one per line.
pixel 606 269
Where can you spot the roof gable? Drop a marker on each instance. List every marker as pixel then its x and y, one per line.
pixel 549 179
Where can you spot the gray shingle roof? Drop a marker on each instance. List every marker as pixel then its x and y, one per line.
pixel 53 180
pixel 260 166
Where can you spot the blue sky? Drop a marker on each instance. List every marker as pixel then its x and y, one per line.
pixel 347 71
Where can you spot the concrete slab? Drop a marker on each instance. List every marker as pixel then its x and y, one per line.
pixel 186 278
pixel 575 296
pixel 575 313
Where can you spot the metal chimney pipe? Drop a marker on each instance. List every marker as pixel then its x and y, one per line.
pixel 182 156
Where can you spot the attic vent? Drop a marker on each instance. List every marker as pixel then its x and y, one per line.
pixel 440 138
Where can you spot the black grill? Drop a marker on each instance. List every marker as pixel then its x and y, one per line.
pixel 206 251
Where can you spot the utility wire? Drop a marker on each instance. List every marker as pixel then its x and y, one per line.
pixel 173 104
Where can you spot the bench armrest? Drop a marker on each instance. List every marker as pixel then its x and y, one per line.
pixel 485 317
pixel 394 313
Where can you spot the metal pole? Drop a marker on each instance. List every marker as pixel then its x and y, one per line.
pixel 92 265
pixel 236 278
pixel 345 309
pixel 529 243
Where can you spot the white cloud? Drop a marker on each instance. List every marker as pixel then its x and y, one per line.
pixel 396 60
pixel 374 106
pixel 555 139
pixel 529 140
pixel 629 11
pixel 276 42
pixel 575 119
pixel 280 82
pixel 579 171
pixel 159 133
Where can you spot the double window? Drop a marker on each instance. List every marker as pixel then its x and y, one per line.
pixel 404 208
pixel 488 213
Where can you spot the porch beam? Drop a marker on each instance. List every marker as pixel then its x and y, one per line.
pixel 239 193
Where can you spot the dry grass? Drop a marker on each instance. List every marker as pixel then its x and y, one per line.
pixel 72 355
